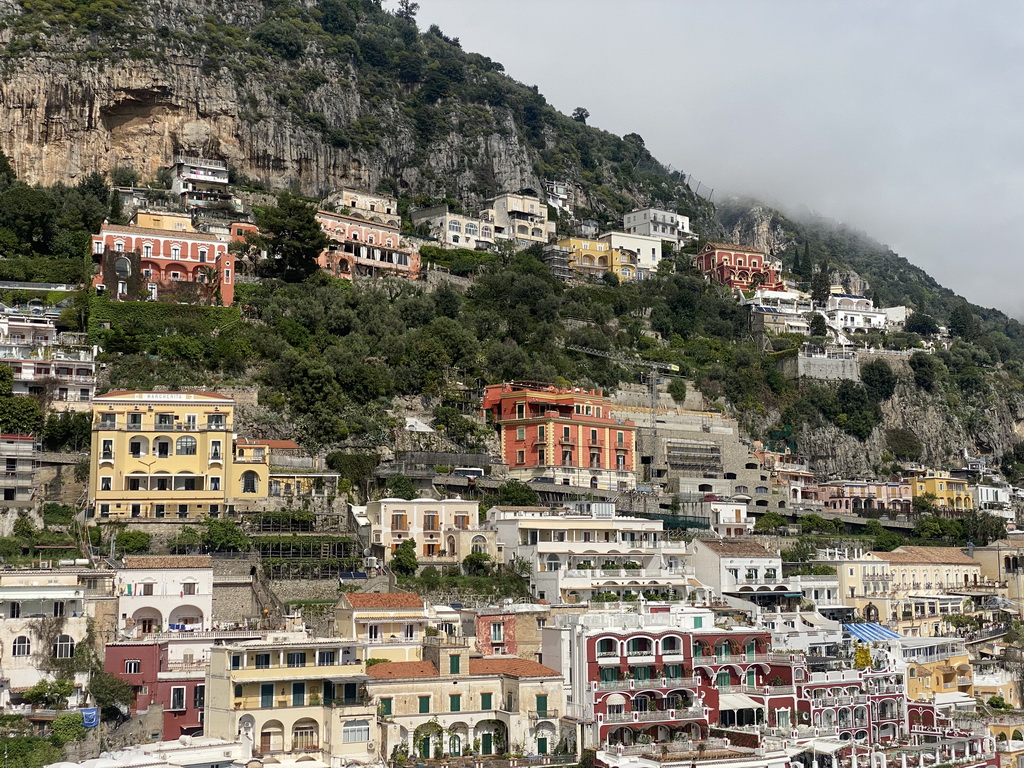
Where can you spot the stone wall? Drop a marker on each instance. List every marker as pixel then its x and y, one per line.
pixel 234 598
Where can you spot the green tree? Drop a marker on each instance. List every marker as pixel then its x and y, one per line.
pixel 929 528
pixel 904 444
pixel 50 694
pixel 879 380
pixel 677 388
pixel 963 323
pixel 407 10
pixel 292 238
pixel 580 115
pixel 112 695
pixel 821 286
pixel 873 528
pixel 401 487
pixel 477 564
pixel 887 541
pixel 220 535
pixel 513 493
pixel 818 325
pixel 770 521
pixel 922 324
pixel 187 542
pixel 7 175
pixel 132 542
pixel 403 559
pixel 928 370
pixel 67 728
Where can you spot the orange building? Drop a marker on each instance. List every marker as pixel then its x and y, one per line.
pixel 740 267
pixel 566 436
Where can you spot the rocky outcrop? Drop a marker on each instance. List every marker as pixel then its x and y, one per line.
pixel 759 227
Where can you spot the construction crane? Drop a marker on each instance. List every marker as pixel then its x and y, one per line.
pixel 635 362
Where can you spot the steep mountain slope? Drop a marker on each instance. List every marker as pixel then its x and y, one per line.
pixel 293 94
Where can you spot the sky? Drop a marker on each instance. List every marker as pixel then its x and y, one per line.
pixel 902 119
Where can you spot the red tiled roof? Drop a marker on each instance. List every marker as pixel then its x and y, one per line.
pixel 171 234
pixel 927 555
pixel 512 667
pixel 383 599
pixel 166 561
pixel 736 548
pixel 396 670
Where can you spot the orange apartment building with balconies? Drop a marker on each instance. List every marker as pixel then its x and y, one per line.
pixel 566 436
pixel 738 266
pixel 366 243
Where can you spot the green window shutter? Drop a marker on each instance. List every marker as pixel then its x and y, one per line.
pixel 424 705
pixel 455 703
pixel 385 706
pixel 453 664
pixel 542 704
pixel 485 701
pixel 698 622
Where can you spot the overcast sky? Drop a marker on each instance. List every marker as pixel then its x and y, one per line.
pixel 903 119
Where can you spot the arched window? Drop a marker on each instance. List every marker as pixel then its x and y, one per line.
pixel 250 482
pixel 122 267
pixel 371 239
pixel 119 245
pixel 355 731
pixel 147 250
pixel 479 544
pixel 187 446
pixel 454 226
pixel 176 252
pixel 22 647
pixel 486 232
pixel 64 648
pixel 202 255
pixel 472 228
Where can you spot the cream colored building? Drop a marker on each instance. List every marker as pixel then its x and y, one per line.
pixel 449 704
pixel 445 531
pixel 170 455
pixel 518 216
pixel 391 625
pixel 294 697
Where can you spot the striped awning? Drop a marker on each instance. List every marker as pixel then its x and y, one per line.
pixel 871 632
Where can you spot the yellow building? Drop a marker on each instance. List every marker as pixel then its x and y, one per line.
pixel 949 492
pixel 170 455
pixel 173 222
pixel 593 258
pixel 391 624
pixel 293 696
pixel 938 667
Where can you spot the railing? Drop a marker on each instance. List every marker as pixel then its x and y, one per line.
pixel 186 666
pixel 541 714
pixel 640 651
pixel 655 715
pixel 964 680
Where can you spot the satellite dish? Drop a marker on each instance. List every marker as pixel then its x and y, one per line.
pixel 367 552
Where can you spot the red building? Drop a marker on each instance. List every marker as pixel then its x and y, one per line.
pixel 366 243
pixel 737 266
pixel 567 436
pixel 178 687
pixel 140 264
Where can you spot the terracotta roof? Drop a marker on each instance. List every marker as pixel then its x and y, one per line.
pixel 928 555
pixel 166 561
pixel 383 599
pixel 394 670
pixel 734 247
pixel 124 392
pixel 512 667
pixel 736 548
pixel 171 234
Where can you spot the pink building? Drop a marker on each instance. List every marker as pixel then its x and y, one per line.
pixel 138 264
pixel 856 497
pixel 366 246
pixel 737 266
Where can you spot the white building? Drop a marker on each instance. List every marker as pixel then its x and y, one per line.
pixel 454 230
pixel 384 206
pixel 896 317
pixel 45 362
pixel 805 632
pixel 560 195
pixel 647 249
pixel 729 518
pixel 659 223
pixel 849 313
pixel 586 550
pixel 994 498
pixel 30 600
pixel 202 183
pixel 165 594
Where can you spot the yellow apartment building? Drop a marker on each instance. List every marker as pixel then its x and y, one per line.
pixel 172 222
pixel 451 705
pixel 938 669
pixel 170 455
pixel 949 492
pixel 593 258
pixel 293 697
pixel 390 624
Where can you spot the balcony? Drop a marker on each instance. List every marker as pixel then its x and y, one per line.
pixel 543 714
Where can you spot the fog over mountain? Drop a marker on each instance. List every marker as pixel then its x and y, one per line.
pixel 901 119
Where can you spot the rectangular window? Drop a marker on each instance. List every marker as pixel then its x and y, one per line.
pixel 497 632
pixel 424 705
pixel 520 410
pixel 147 589
pixel 199 697
pixel 698 622
pixel 325 658
pixel 262 661
pixel 297 659
pixel 453 665
pixel 485 701
pixel 520 433
pixel 178 697
pixel 299 694
pixel 520 457
pixel 542 456
pixel 386 706
pixel 214 483
pixel 215 451
pixel 107 449
pixel 132 666
pixel 236 661
pixel 266 695
pixel 105 483
pixel 540 432
pixel 542 705
pixel 455 703
pixel 188 589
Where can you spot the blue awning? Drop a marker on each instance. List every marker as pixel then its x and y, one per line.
pixel 871 632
